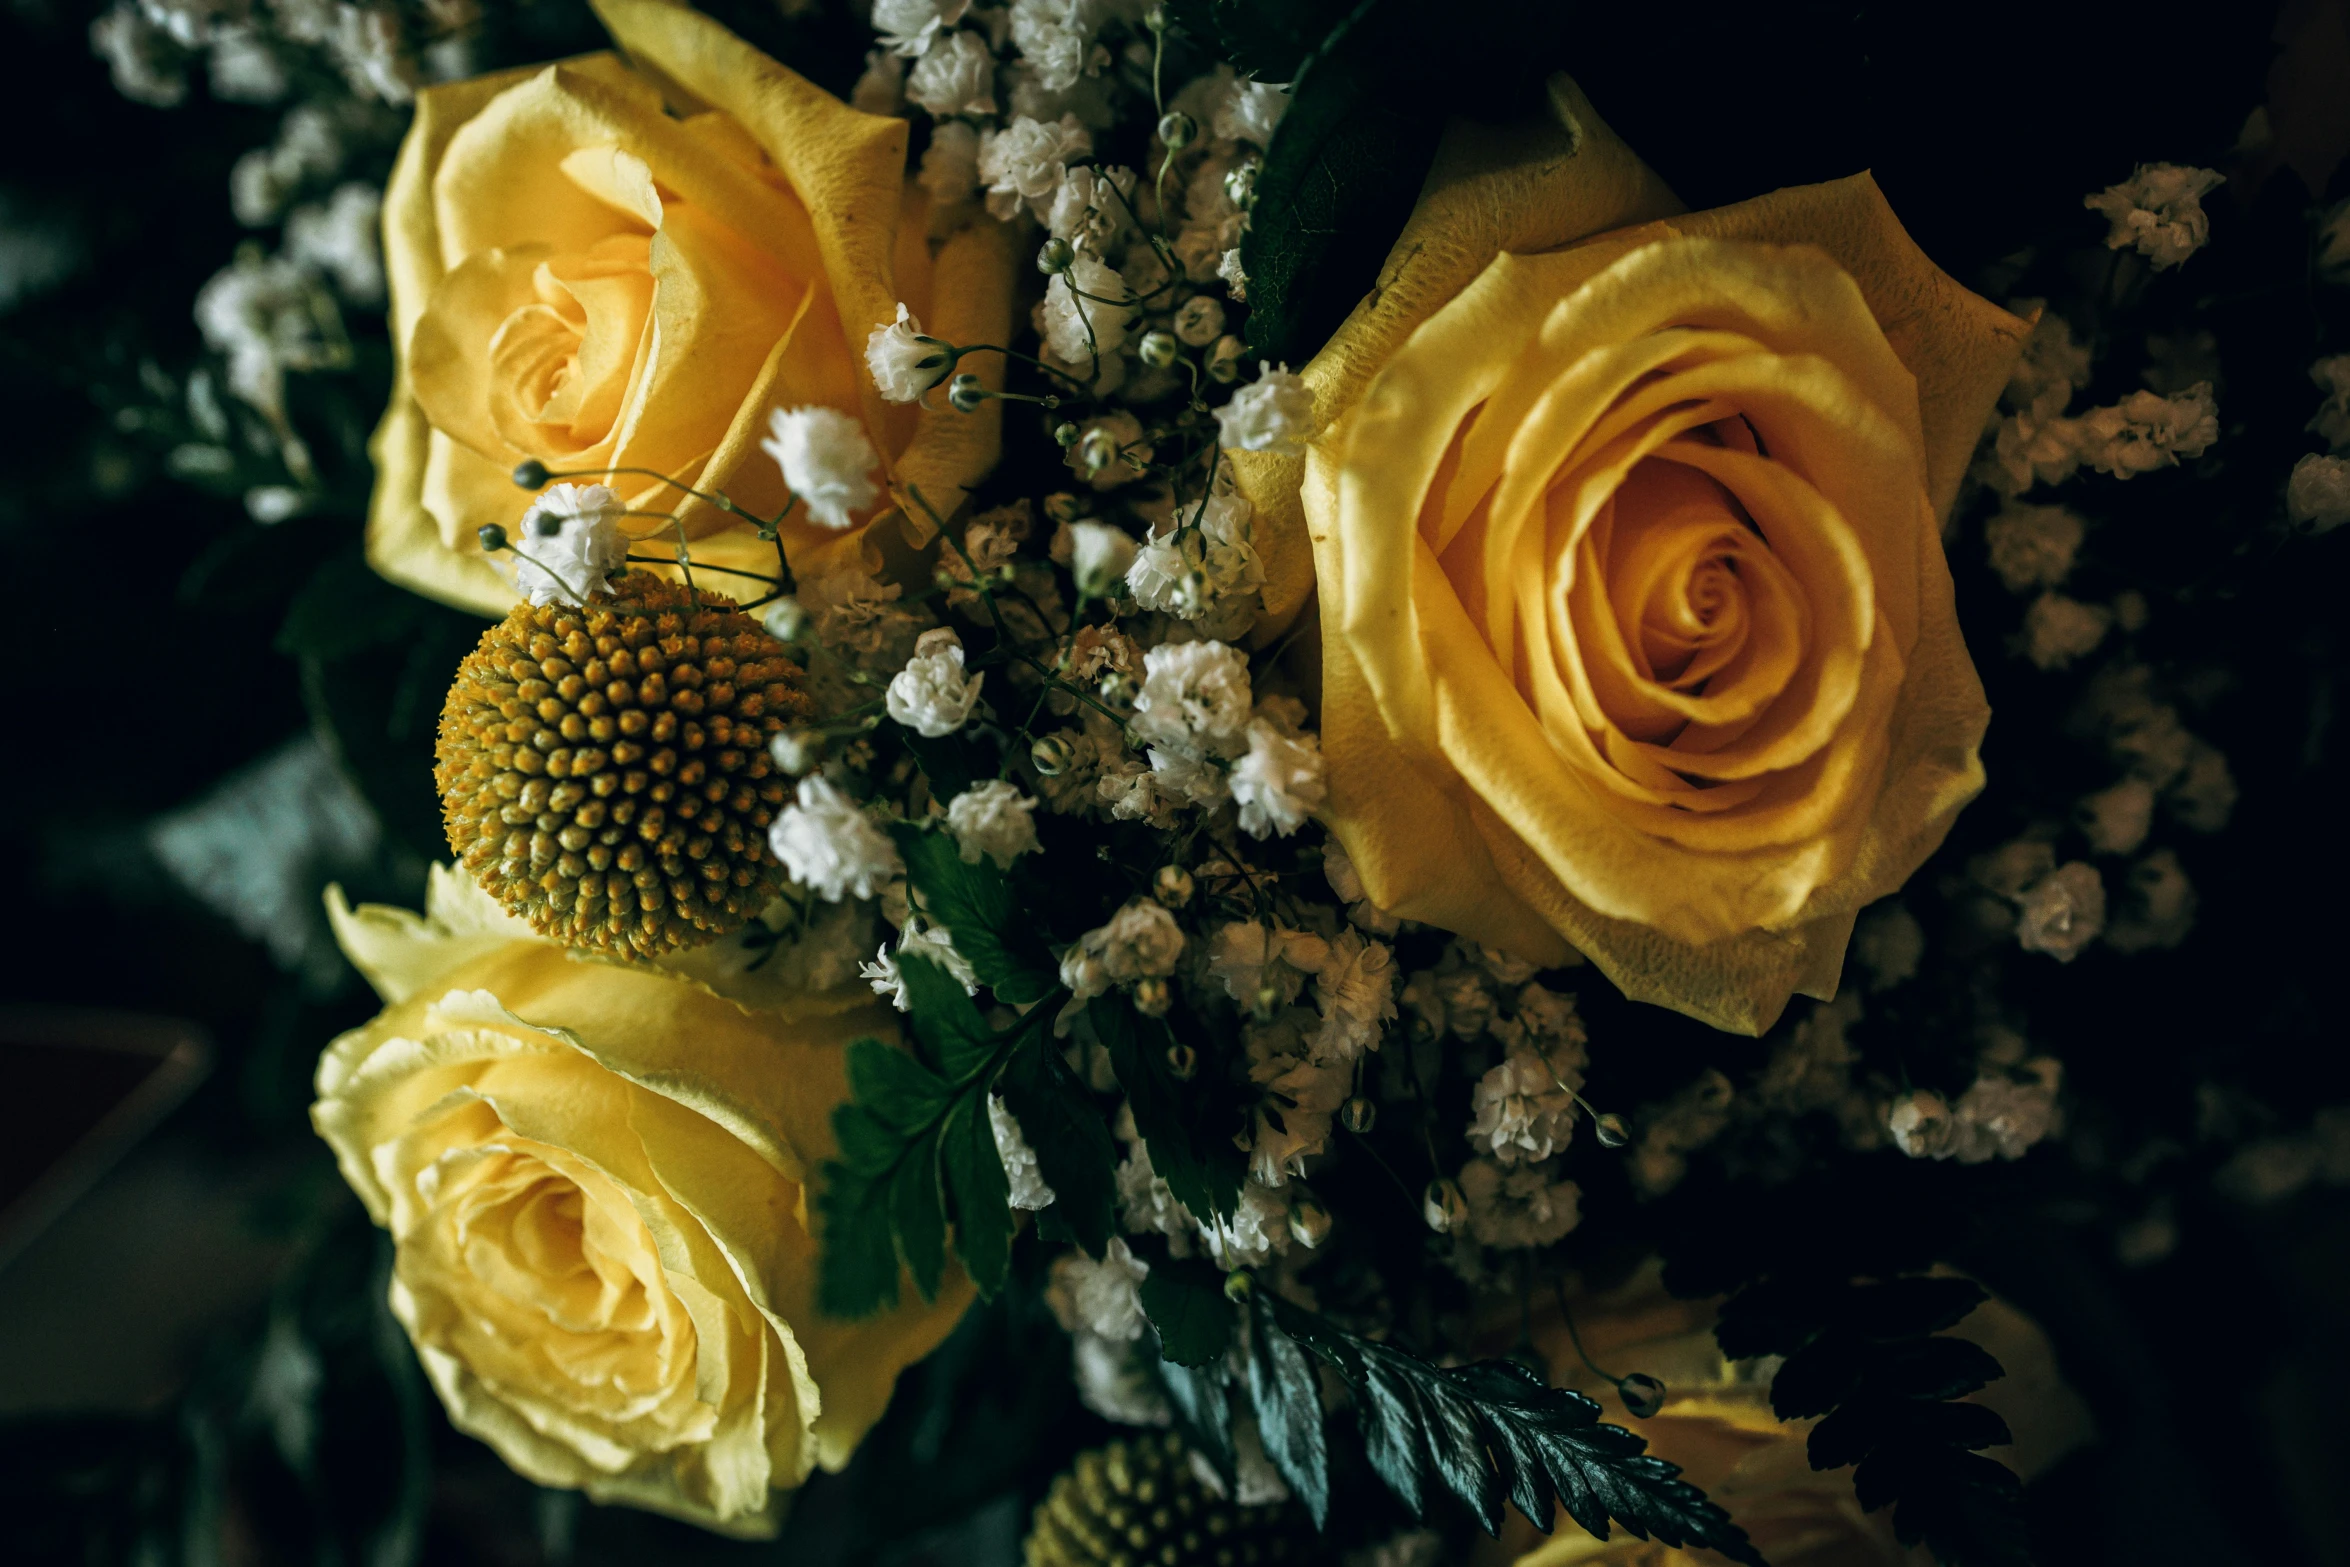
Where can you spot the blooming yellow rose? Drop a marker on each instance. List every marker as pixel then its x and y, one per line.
pixel 1635 624
pixel 595 1179
pixel 581 276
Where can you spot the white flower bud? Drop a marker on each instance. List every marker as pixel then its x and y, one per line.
pixel 827 461
pixel 903 364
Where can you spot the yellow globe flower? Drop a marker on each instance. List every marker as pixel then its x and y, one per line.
pixel 595 1180
pixel 1637 636
pixel 581 278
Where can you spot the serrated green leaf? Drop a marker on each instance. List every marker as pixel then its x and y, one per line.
pixel 1492 1430
pixel 892 1087
pixel 1203 1408
pixel 977 906
pixel 1288 1399
pixel 981 1196
pixel 1930 1368
pixel 1816 1378
pixel 857 1271
pixel 1074 1153
pixel 1860 1425
pixel 1907 1307
pixel 915 1213
pixel 1202 1170
pixel 954 1040
pixel 1266 39
pixel 1184 1300
pixel 868 1145
pixel 952 763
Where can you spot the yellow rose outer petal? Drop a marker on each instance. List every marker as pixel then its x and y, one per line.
pixel 594 1177
pixel 1494 827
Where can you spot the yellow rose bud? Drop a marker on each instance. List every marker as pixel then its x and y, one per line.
pixel 1638 639
pixel 580 279
pixel 595 1180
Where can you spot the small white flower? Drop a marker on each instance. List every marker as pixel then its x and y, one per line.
pixel 1199 320
pixel 903 364
pixel 828 845
pixel 1115 1382
pixel 1194 699
pixel 950 164
pixel 1279 783
pixel 882 88
pixel 1233 274
pixel 931 695
pixel 2161 907
pixel 2159 210
pixel 1355 989
pixel 2332 419
pixel 1246 957
pixel 1056 38
pixel 2000 1116
pixel 2318 494
pixel 1273 413
pixel 2058 630
pixel 341 237
pixel 1078 330
pixel 1099 556
pixel 1141 941
pixel 907 26
pixel 1146 1204
pixel 1519 1207
pixel 934 942
pixel 1523 1111
pixel 1921 1124
pixel 2033 546
pixel 827 460
pixel 992 819
pixel 2116 820
pixel 1023 164
pixel 2146 431
pixel 1258 1228
pixel 1204 568
pixel 1021 1172
pixel 264 314
pixel 2053 365
pixel 2062 912
pixel 956 75
pixel 861 618
pixel 1250 111
pixel 572 535
pixel 1094 209
pixel 1102 1298
pixel 1189 779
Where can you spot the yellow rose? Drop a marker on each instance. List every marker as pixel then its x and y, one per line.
pixel 1636 630
pixel 595 1180
pixel 580 277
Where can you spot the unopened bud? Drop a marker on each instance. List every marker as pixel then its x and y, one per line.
pixel 1611 1130
pixel 1158 349
pixel 1239 1285
pixel 1172 885
pixel 1097 449
pixel 1266 1002
pixel 965 393
pixel 1061 506
pixel 797 751
pixel 1153 997
pixel 531 474
pixel 1358 1115
pixel 1065 433
pixel 1443 1206
pixel 1057 256
pixel 543 524
pixel 1199 320
pixel 493 537
pixel 1116 687
pixel 1052 756
pixel 1176 129
pixel 1240 186
pixel 1643 1395
pixel 1182 1060
pixel 1309 1221
pixel 1224 360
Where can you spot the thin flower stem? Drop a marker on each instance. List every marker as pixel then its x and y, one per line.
pixel 664 560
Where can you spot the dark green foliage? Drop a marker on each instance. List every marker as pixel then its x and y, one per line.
pixel 977 905
pixel 1266 39
pixel 1487 1433
pixel 1869 1357
pixel 1074 1153
pixel 918 1155
pixel 1198 1162
pixel 1184 1299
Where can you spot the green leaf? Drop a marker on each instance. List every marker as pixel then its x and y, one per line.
pixel 857 1273
pixel 1204 1171
pixel 981 1196
pixel 1266 39
pixel 1288 1398
pixel 952 763
pixel 892 1087
pixel 977 906
pixel 915 1212
pixel 954 1039
pixel 1340 178
pixel 1074 1153
pixel 1204 1410
pixel 1492 1430
pixel 1184 1300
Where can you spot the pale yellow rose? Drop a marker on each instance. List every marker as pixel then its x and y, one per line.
pixel 595 1178
pixel 605 263
pixel 1637 636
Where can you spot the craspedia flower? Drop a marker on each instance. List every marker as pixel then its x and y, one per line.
pixel 1140 1504
pixel 604 771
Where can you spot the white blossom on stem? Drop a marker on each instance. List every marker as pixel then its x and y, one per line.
pixel 1194 699
pixel 932 695
pixel 1023 164
pixel 903 363
pixel 571 534
pixel 828 845
pixel 2158 210
pixel 1273 413
pixel 956 75
pixel 827 461
pixel 1021 1173
pixel 1521 1206
pixel 992 820
pixel 1279 782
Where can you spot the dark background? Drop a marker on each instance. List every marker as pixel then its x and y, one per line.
pixel 197 1352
